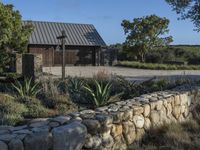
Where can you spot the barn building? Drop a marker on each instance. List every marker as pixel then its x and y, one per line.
pixel 83 43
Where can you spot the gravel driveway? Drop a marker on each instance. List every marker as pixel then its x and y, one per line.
pixel 134 74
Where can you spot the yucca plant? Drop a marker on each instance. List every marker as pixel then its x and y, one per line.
pixel 26 89
pixel 101 93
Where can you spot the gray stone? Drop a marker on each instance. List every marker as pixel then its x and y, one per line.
pixel 62 119
pixel 74 114
pixel 3 146
pixel 5 128
pixel 25 131
pixel 153 99
pixel 92 125
pixel 19 128
pixel 104 119
pixel 7 137
pixel 16 144
pixel 69 137
pixel 54 124
pixel 117 116
pixel 39 124
pixel 113 108
pixel 102 109
pixel 41 129
pixel 4 131
pixel 37 141
pixel 21 136
pixel 87 114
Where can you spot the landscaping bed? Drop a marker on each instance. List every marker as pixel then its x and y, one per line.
pixel 24 100
pixel 152 66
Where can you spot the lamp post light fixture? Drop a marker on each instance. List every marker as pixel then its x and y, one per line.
pixel 62 38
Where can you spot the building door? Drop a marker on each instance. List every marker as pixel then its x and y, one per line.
pixel 70 57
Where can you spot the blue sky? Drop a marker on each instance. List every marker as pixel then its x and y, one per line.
pixel 106 15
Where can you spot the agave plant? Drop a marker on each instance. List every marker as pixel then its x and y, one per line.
pixel 75 85
pixel 101 93
pixel 26 89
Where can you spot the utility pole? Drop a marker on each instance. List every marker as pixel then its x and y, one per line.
pixel 62 38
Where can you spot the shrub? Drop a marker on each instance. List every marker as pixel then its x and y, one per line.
pixel 35 109
pixel 26 89
pixel 61 104
pixel 11 111
pixel 152 66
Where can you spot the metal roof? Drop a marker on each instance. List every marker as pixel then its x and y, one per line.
pixel 46 33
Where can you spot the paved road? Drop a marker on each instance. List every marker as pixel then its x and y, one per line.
pixel 134 74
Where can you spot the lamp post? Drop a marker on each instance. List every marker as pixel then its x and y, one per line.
pixel 62 38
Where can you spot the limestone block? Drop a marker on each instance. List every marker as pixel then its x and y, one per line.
pixel 138 110
pixel 147 123
pixel 176 111
pixel 129 132
pixel 116 130
pixel 140 134
pixel 159 105
pixel 147 110
pixel 139 121
pixel 177 100
pixel 155 118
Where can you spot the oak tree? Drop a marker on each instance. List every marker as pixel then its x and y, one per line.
pixel 13 34
pixel 188 9
pixel 145 33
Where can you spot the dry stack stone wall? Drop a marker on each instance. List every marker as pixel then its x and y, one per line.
pixel 112 127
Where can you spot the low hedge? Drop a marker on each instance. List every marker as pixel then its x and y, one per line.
pixel 138 65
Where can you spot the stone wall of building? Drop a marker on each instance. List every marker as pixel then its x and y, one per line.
pixel 31 65
pixel 112 127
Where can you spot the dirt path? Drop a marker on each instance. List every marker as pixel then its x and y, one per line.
pixel 133 74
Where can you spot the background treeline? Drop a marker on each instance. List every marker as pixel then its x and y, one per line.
pixel 189 54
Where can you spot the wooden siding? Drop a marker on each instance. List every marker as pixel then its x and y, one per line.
pixel 74 55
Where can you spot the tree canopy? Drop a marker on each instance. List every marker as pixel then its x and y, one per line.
pixel 13 34
pixel 188 9
pixel 145 33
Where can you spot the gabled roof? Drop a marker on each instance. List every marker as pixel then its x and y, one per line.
pixel 46 33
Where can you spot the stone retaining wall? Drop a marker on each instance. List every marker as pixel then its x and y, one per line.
pixel 107 128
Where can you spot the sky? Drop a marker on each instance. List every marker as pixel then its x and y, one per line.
pixel 106 16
